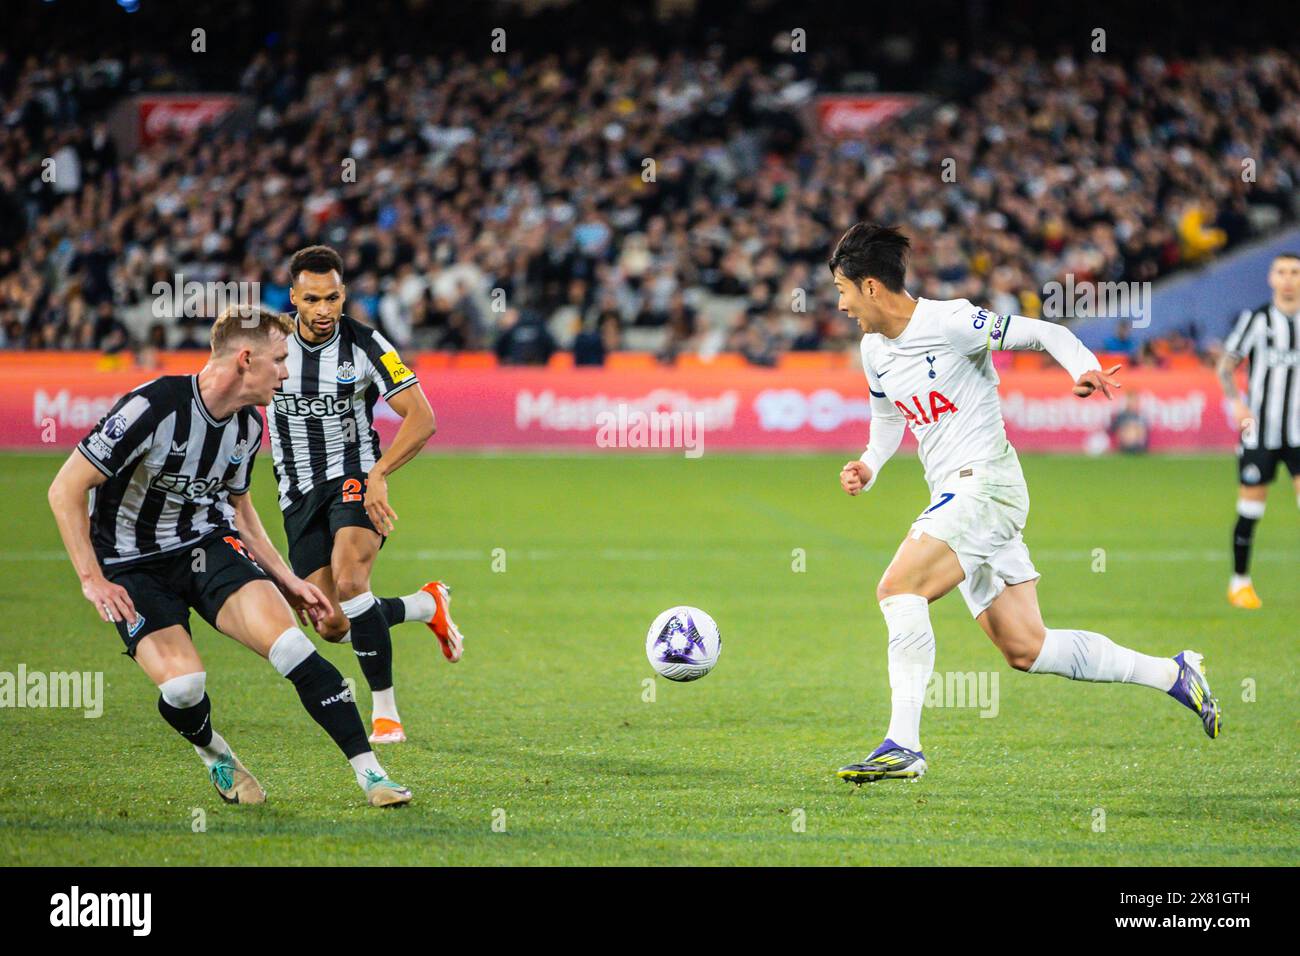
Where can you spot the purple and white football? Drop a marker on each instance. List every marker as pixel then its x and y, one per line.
pixel 683 643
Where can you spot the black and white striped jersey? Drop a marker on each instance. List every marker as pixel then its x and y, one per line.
pixel 171 468
pixel 322 417
pixel 1269 341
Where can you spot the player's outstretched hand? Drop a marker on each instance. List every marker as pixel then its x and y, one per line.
pixel 376 503
pixel 854 477
pixel 110 600
pixel 1089 382
pixel 308 600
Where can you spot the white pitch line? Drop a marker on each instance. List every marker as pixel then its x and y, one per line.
pixel 721 554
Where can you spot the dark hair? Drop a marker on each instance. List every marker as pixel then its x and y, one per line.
pixel 318 259
pixel 869 250
pixel 1286 255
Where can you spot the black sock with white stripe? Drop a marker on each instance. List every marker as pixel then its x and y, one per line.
pixel 321 688
pixel 192 723
pixel 1243 534
pixel 371 641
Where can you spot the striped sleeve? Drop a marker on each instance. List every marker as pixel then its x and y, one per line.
pixel 243 476
pixel 123 434
pixel 1235 343
pixel 388 371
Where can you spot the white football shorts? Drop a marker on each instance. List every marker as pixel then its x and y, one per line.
pixel 980 512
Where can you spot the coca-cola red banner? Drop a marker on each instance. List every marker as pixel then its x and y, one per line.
pixel 696 410
pixel 846 116
pixel 162 116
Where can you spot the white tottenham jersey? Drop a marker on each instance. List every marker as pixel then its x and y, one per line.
pixel 938 377
pixel 322 417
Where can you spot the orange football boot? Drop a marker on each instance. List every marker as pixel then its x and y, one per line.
pixel 385 731
pixel 443 627
pixel 1245 597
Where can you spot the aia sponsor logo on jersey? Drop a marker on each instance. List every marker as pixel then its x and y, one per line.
pixel 938 405
pixel 308 406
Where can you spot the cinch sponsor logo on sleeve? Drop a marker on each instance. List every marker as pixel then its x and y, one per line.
pixel 74 908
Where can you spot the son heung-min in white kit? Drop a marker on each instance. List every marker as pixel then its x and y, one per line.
pixel 929 369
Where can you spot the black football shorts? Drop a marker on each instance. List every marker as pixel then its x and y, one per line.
pixel 311 522
pixel 164 587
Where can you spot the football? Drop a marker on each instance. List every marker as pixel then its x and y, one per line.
pixel 683 643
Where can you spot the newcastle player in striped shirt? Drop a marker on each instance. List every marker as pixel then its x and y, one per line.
pixel 1267 338
pixel 334 479
pixel 171 527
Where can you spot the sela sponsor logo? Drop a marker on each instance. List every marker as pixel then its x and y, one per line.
pixel 825 410
pixel 187 486
pixel 75 908
pixel 312 406
pixel 346 373
pixel 74 690
pixel 1280 358
pixel 551 412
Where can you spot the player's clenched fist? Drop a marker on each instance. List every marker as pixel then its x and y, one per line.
pixel 854 477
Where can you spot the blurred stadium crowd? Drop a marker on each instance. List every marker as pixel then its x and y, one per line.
pixel 502 203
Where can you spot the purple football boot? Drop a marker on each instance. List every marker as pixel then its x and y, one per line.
pixel 889 761
pixel 1193 691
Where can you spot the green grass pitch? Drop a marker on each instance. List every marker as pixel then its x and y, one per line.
pixel 540 747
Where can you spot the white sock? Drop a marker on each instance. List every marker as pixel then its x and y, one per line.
pixel 363 762
pixel 911 662
pixel 213 751
pixel 1239 581
pixel 383 703
pixel 1087 655
pixel 419 606
pixel 289 650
